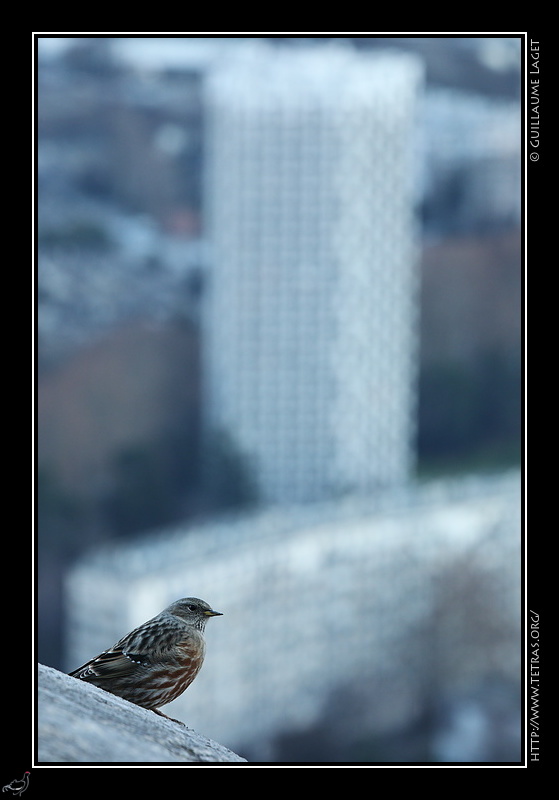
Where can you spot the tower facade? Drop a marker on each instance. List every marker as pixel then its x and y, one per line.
pixel 310 321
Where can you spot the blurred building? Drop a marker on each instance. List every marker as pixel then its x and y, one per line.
pixel 310 319
pixel 345 622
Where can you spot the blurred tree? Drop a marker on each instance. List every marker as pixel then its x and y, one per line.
pixel 229 482
pixel 470 411
pixel 59 519
pixel 77 234
pixel 59 514
pixel 151 483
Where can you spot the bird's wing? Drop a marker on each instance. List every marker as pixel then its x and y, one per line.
pixel 112 663
pixel 149 644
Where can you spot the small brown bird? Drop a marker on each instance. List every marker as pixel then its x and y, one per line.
pixel 155 663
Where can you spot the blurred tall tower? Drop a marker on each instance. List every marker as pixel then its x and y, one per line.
pixel 310 323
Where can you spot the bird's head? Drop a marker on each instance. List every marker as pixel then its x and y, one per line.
pixel 194 611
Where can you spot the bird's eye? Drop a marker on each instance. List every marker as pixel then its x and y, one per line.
pixel 191 607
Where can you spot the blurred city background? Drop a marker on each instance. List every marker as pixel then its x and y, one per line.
pixel 278 367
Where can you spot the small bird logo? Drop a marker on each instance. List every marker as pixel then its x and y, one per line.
pixel 17 787
pixel 153 664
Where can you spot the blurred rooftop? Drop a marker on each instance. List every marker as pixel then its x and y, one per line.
pixel 400 605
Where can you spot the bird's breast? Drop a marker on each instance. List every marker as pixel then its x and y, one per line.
pixel 190 653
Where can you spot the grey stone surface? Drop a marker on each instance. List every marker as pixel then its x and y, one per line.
pixel 78 722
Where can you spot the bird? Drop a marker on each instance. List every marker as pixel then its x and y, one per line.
pixel 17 787
pixel 153 664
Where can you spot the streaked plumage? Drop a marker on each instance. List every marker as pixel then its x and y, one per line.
pixel 156 662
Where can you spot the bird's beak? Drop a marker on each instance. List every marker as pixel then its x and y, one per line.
pixel 211 613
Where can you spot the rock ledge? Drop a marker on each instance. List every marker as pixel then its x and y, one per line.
pixel 78 722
